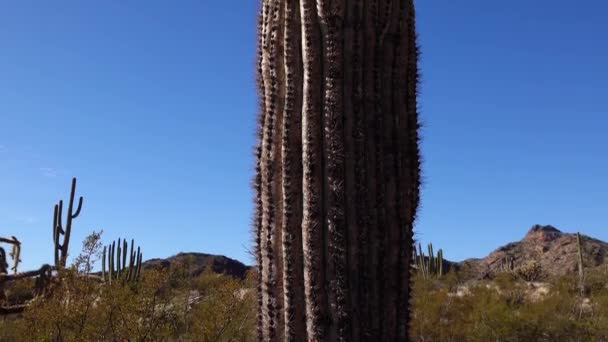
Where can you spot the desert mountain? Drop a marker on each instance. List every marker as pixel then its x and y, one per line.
pixel 196 263
pixel 555 251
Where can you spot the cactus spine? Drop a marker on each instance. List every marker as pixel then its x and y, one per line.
pixel 337 169
pixel 116 270
pixel 61 249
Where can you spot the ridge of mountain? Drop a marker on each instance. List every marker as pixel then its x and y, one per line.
pixel 555 251
pixel 197 263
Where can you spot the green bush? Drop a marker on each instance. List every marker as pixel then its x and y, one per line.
pixel 503 309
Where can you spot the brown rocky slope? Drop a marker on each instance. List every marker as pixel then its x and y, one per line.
pixel 555 252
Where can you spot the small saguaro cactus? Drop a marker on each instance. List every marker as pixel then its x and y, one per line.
pixel 337 169
pixel 61 249
pixel 117 269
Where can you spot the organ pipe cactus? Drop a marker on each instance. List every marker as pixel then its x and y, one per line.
pixel 429 265
pixel 61 248
pixel 337 169
pixel 507 264
pixel 117 269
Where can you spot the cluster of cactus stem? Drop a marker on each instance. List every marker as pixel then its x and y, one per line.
pixel 114 256
pixel 429 265
pixel 527 270
pixel 337 169
pixel 59 229
pixel 507 264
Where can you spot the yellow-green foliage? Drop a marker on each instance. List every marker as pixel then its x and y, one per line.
pixel 504 310
pixel 529 271
pixel 446 308
pixel 225 312
pixel 81 308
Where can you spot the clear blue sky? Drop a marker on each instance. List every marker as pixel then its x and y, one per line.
pixel 152 106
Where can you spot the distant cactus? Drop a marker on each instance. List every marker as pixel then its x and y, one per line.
pixel 3 263
pixel 117 267
pixel 15 253
pixel 507 264
pixel 429 265
pixel 581 266
pixel 61 249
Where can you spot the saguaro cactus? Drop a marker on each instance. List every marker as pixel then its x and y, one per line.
pixel 581 266
pixel 61 249
pixel 337 169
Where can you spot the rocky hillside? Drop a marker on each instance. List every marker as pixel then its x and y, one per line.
pixel 555 252
pixel 196 263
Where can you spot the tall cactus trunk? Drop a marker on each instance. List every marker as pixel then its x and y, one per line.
pixel 581 269
pixel 337 169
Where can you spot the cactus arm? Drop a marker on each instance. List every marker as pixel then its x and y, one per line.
pixel 16 255
pixel 60 218
pixel 112 265
pixel 431 259
pixel 103 264
pixel 118 259
pixel 124 254
pixel 139 262
pixel 131 261
pixel 75 215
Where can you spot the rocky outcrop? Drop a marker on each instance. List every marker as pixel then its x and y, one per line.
pixel 554 250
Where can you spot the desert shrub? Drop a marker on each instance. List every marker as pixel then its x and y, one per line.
pixel 159 307
pixel 503 310
pixel 19 291
pixel 225 311
pixel 82 309
pixel 529 271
